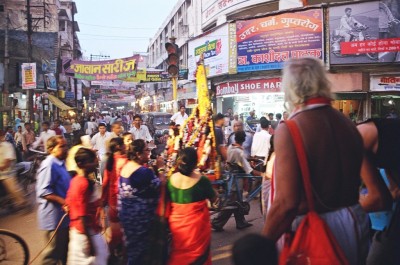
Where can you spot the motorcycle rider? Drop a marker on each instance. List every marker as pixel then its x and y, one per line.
pixel 8 173
pixel 347 24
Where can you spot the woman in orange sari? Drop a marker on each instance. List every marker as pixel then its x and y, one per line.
pixel 189 220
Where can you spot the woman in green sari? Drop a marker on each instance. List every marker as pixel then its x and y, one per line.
pixel 189 219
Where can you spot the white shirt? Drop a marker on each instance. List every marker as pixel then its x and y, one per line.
pixel 7 152
pixel 42 139
pixel 91 127
pixel 141 133
pixel 99 143
pixel 261 144
pixel 178 118
pixel 76 126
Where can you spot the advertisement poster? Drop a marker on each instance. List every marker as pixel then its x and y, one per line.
pixel 104 70
pixel 28 75
pixel 214 46
pixel 365 33
pixel 50 81
pixel 265 43
pixel 270 85
pixel 385 83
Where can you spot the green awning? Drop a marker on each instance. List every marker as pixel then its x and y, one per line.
pixel 351 95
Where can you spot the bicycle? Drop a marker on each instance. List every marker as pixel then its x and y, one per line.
pixel 230 183
pixel 13 249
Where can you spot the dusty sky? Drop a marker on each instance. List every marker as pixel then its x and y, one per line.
pixel 119 28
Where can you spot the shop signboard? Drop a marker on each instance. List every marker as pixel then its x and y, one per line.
pixel 214 47
pixel 28 75
pixel 265 43
pixel 363 33
pixel 271 85
pixel 149 76
pixel 69 95
pixel 105 70
pixel 212 9
pixel 385 83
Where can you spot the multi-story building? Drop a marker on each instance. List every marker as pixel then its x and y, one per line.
pixel 30 33
pixel 239 38
pixel 69 89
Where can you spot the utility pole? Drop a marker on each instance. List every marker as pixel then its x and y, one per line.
pixel 74 56
pixel 5 99
pixel 6 60
pixel 30 91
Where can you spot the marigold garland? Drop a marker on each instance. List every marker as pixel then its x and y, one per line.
pixel 197 131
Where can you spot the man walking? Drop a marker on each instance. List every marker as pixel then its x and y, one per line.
pixel 140 131
pixel 51 189
pixel 99 141
pixel 180 117
pixel 44 136
pixel 30 137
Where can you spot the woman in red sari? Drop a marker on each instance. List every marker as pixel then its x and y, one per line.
pixel 189 219
pixel 116 160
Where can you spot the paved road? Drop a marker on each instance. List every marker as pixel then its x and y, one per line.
pixel 26 226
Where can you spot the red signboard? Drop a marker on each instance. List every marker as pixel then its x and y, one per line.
pixel 271 85
pixel 367 46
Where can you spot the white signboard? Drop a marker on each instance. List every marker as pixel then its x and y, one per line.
pixel 210 9
pixel 28 75
pixel 214 46
pixel 385 83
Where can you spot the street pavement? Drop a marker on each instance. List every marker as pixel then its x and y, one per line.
pixel 25 225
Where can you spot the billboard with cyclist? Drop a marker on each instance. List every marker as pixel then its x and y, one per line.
pixel 366 32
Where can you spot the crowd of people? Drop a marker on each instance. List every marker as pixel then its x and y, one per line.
pixel 77 201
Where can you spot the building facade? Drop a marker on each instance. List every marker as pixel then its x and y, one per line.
pixel 33 33
pixel 246 42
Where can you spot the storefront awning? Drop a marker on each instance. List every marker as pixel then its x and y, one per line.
pixel 351 95
pixel 59 104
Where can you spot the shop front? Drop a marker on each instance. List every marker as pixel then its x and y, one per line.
pixel 351 97
pixel 261 95
pixel 385 95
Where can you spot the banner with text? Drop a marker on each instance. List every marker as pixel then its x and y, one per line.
pixel 265 43
pixel 385 83
pixel 271 85
pixel 28 71
pixel 149 76
pixel 214 46
pixel 105 70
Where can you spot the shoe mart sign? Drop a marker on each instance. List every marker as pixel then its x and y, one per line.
pixel 271 85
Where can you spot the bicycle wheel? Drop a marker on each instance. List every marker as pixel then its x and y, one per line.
pixel 13 249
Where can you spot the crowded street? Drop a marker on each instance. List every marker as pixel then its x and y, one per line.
pixel 199 132
pixel 25 224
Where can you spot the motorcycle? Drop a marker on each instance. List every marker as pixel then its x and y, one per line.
pixel 359 33
pixel 394 32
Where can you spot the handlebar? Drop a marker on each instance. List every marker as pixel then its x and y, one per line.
pixel 38 152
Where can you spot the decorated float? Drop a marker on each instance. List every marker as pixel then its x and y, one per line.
pixel 198 132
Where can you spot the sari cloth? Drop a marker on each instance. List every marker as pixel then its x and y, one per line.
pixel 191 233
pixel 189 222
pixel 138 199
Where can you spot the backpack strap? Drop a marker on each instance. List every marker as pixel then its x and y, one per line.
pixel 302 158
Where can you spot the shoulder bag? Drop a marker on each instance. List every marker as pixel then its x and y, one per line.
pixel 313 241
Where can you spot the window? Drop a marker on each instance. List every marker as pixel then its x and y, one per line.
pixel 61 26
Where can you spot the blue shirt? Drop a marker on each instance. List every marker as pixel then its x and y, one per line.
pixel 52 178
